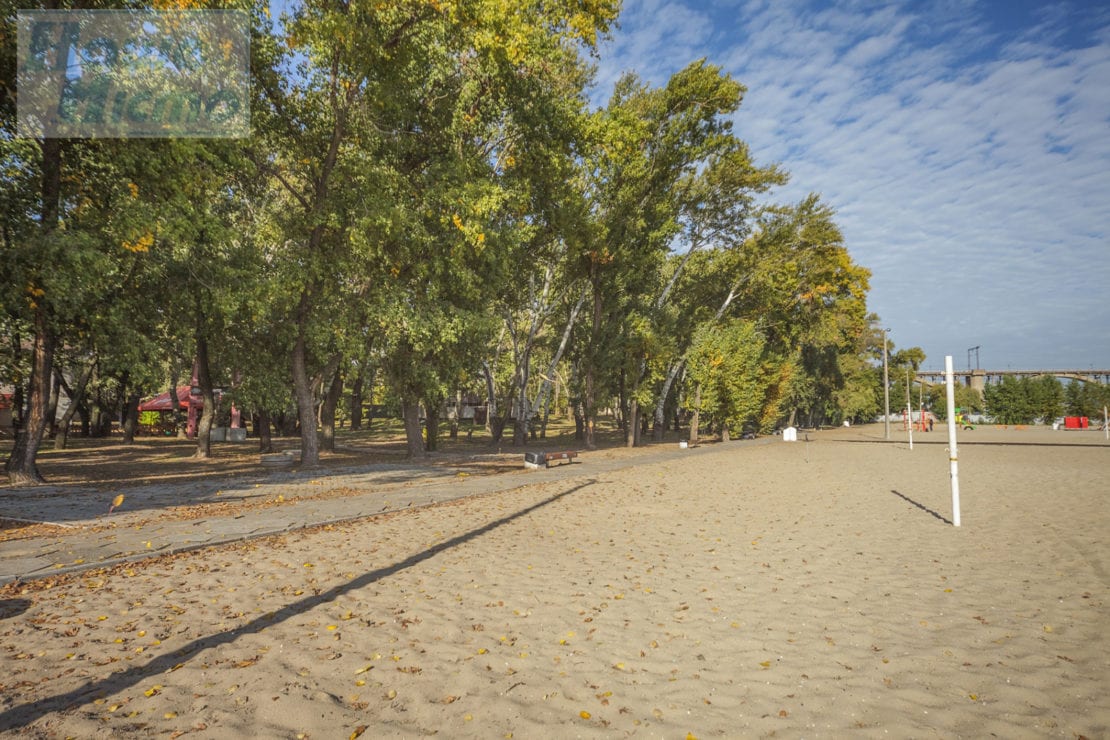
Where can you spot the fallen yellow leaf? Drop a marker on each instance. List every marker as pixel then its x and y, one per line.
pixel 357 732
pixel 584 714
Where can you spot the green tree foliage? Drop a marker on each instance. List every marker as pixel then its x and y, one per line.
pixel 966 398
pixel 1025 400
pixel 730 363
pixel 1086 399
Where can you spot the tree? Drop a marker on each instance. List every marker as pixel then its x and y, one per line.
pixel 1086 398
pixel 729 364
pixel 647 143
pixel 397 100
pixel 966 398
pixel 1025 400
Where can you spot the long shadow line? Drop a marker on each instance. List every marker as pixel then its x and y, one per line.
pixel 923 507
pixel 23 714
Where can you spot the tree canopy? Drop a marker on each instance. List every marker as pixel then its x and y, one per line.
pixel 427 199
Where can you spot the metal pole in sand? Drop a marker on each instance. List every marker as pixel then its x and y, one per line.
pixel 909 409
pixel 1106 422
pixel 886 391
pixel 953 465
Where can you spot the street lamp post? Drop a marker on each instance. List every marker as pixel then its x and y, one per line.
pixel 886 389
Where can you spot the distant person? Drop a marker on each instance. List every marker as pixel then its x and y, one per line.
pixel 930 423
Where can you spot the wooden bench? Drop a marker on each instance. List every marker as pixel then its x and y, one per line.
pixel 534 460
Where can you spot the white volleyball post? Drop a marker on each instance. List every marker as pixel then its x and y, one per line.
pixel 909 409
pixel 1106 422
pixel 953 464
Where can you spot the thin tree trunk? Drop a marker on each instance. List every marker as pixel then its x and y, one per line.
pixel 590 394
pixel 431 426
pixel 265 442
pixel 552 367
pixel 633 429
pixel 495 422
pixel 327 411
pixel 659 424
pixel 455 415
pixel 695 421
pixel 302 388
pixel 131 417
pixel 76 398
pixel 411 414
pixel 175 404
pixel 208 413
pixel 356 402
pixel 52 407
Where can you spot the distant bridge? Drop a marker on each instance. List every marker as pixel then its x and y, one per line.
pixel 979 378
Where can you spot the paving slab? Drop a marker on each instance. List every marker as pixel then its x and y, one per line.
pixel 143 528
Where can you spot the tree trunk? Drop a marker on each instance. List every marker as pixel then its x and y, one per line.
pixel 327 411
pixel 455 415
pixel 21 466
pixel 75 400
pixel 131 417
pixel 302 388
pixel 659 423
pixel 265 443
pixel 590 389
pixel 724 432
pixel 52 407
pixel 695 420
pixel 491 398
pixel 633 428
pixel 356 402
pixel 410 412
pixel 579 422
pixel 208 413
pixel 431 426
pixel 175 404
pixel 549 379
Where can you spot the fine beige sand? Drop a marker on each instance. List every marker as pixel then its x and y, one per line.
pixel 813 589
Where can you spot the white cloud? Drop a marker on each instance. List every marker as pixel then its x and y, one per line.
pixel 971 172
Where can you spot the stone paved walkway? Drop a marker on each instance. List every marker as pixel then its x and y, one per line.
pixel 244 508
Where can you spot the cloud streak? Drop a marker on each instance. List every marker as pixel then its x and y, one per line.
pixel 968 157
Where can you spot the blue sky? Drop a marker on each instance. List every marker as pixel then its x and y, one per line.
pixel 965 146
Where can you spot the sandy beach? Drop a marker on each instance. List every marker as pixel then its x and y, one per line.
pixel 814 589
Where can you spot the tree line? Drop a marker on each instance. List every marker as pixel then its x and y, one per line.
pixel 427 200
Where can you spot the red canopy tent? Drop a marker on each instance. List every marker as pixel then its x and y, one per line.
pixel 162 401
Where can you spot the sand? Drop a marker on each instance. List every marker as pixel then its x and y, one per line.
pixel 812 589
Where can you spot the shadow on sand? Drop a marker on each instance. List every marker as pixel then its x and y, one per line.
pixel 23 714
